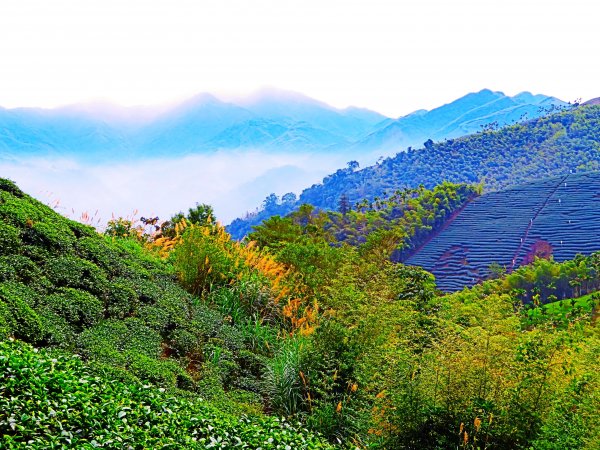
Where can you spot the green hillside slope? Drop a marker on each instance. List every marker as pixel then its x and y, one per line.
pixel 554 145
pixel 557 217
pixel 63 285
pixel 68 289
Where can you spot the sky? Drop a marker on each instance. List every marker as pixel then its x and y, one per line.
pixel 390 56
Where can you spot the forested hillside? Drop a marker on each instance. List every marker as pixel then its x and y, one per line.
pixel 555 145
pixel 392 227
pixel 466 115
pixel 307 337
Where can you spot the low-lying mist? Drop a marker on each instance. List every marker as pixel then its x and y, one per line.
pixel 233 183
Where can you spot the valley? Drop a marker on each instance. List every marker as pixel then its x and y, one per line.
pixel 392 297
pixel 315 225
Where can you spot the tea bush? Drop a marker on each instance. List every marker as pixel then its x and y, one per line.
pixel 50 401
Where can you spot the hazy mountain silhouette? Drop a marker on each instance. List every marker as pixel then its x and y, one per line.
pixel 270 120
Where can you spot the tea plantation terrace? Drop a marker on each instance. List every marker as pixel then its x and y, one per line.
pixel 556 216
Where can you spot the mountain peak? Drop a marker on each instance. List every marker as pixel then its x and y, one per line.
pixel 203 98
pixel 593 101
pixel 275 95
pixel 486 91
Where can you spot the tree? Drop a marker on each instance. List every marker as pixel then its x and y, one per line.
pixel 344 205
pixel 289 198
pixel 496 270
pixel 270 201
pixel 201 214
pixel 275 232
pixel 353 165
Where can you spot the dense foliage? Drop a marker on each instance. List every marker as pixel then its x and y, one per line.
pixel 546 281
pixel 120 306
pixel 548 146
pixel 390 227
pixel 54 401
pixel 392 365
pixel 206 338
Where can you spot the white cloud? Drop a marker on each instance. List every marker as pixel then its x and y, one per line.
pixel 232 183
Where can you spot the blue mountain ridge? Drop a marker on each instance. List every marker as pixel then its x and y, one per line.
pixel 270 120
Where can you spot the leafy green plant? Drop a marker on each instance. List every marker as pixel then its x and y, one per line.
pixel 10 238
pixel 282 382
pixel 54 401
pixel 21 320
pixel 79 308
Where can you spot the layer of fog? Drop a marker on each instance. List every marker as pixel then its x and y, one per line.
pixel 233 183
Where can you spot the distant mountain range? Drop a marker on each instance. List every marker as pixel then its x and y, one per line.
pixel 554 145
pixel 231 154
pixel 466 115
pixel 270 120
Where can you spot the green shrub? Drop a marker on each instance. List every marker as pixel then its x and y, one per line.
pixel 10 239
pixel 7 270
pixel 183 342
pixel 122 300
pixel 231 337
pixel 15 211
pixel 206 321
pixel 50 235
pixel 112 373
pixel 149 291
pixel 23 321
pixel 154 317
pixel 96 250
pixel 251 367
pixel 137 261
pixel 59 332
pixel 130 335
pixel 7 323
pixel 80 309
pixel 82 231
pixel 223 360
pixel 209 383
pixel 11 188
pixel 38 254
pixel 20 268
pixel 160 373
pixel 73 272
pixel 175 304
